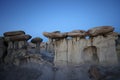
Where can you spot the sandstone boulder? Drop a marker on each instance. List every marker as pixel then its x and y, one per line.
pixel 77 33
pixel 101 30
pixel 54 35
pixel 18 38
pixel 36 40
pixel 13 33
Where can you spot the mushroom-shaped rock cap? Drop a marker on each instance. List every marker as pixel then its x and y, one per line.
pixel 56 32
pixel 13 33
pixel 100 30
pixel 77 33
pixel 18 38
pixel 54 35
pixel 36 40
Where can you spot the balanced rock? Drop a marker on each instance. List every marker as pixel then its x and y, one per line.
pixel 54 35
pixel 13 33
pixel 101 30
pixel 37 39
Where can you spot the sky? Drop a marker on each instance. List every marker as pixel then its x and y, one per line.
pixel 38 16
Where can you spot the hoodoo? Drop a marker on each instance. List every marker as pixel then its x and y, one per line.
pixel 100 48
pixel 37 41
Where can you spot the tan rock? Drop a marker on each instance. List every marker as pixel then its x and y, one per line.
pixel 13 33
pixel 37 39
pixel 54 35
pixel 77 33
pixel 100 30
pixel 18 38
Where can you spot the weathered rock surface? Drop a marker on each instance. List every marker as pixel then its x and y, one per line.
pixel 37 41
pixel 99 48
pixel 55 35
pixel 18 38
pixel 77 33
pixel 100 30
pixel 13 33
pixel 104 73
pixel 66 56
pixel 3 49
pixel 118 47
pixel 17 45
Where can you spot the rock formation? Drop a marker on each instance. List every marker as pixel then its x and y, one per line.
pixel 3 48
pixel 118 47
pixel 54 35
pixel 100 30
pixel 17 45
pixel 100 48
pixel 66 56
pixel 37 41
pixel 18 50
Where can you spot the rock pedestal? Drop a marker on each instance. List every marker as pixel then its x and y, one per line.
pixel 37 41
pixel 17 45
pixel 74 48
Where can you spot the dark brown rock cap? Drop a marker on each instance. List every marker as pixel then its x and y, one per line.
pixel 36 40
pixel 18 38
pixel 14 33
pixel 101 30
pixel 54 35
pixel 77 33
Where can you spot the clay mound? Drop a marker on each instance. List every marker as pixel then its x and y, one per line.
pixel 54 35
pixel 13 33
pixel 101 30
